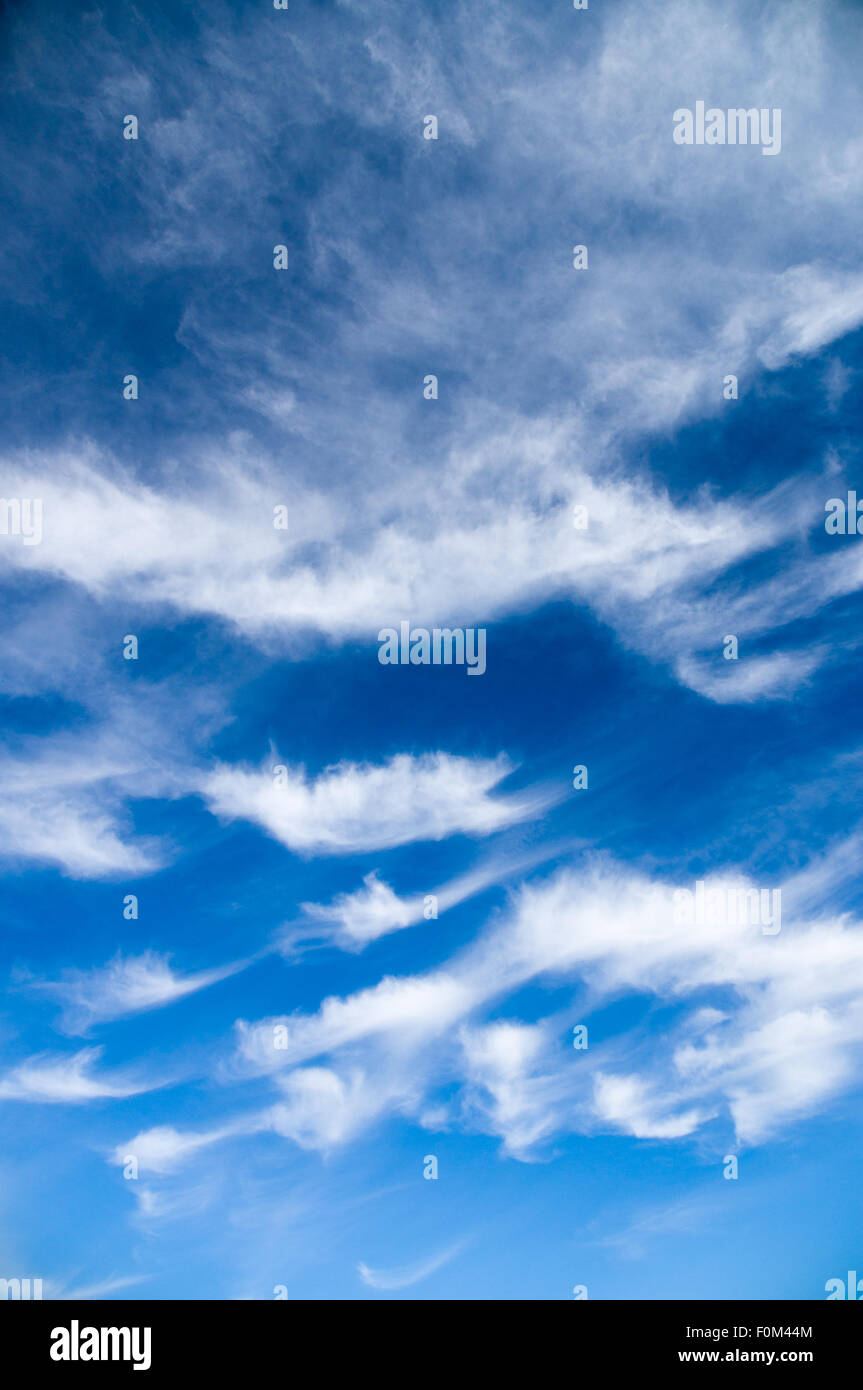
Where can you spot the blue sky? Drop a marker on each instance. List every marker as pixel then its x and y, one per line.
pixel 300 906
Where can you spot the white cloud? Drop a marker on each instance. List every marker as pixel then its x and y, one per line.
pixel 69 1080
pixel 367 914
pixel 412 1009
pixel 513 1086
pixel 482 528
pixel 64 796
pixel 96 1292
pixel 163 1148
pixel 354 807
pixel 778 676
pixel 353 920
pixel 625 1101
pixel 823 307
pixel 125 986
pixel 777 1068
pixel 660 573
pixel 63 807
pixel 611 931
pixel 410 1274
pixel 322 1109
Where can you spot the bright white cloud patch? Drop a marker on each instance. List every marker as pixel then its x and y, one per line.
pixel 358 807
pixel 69 1080
pixel 365 915
pixel 624 1101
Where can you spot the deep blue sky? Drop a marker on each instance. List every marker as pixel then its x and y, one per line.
pixel 302 905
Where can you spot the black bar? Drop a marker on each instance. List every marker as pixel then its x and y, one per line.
pixel 224 1338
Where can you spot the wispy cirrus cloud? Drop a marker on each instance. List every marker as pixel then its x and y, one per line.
pixel 65 807
pixel 353 920
pixel 70 1080
pixel 795 994
pixel 354 807
pixel 67 1292
pixel 125 986
pixel 163 1148
pixel 408 1275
